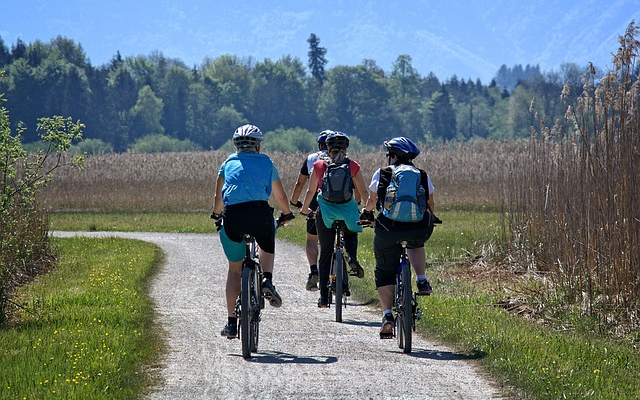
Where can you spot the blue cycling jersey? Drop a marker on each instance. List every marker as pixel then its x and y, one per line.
pixel 247 177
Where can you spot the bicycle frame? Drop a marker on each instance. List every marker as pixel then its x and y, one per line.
pixel 250 300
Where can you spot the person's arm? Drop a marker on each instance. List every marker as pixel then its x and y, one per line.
pixel 311 189
pixel 361 187
pixel 217 200
pixel 370 205
pixel 297 189
pixel 280 196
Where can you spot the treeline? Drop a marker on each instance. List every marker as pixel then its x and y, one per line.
pixel 129 98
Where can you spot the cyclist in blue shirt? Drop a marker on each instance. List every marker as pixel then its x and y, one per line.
pixel 245 182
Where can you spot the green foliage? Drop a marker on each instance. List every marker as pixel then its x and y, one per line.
pixel 290 140
pixel 91 146
pixel 156 143
pixel 24 244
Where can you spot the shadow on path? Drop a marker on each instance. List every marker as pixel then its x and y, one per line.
pixel 276 357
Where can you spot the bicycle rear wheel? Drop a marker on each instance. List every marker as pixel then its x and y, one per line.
pixel 245 312
pixel 256 298
pixel 338 265
pixel 406 317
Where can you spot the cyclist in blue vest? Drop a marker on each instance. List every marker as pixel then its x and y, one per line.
pixel 245 182
pixel 388 233
pixel 311 246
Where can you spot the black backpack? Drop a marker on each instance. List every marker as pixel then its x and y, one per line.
pixel 337 185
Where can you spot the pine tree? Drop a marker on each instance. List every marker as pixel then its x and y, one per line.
pixel 316 58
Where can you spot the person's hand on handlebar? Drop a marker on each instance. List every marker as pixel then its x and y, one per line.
pixel 436 220
pixel 284 218
pixel 366 217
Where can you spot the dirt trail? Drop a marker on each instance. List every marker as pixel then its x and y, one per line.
pixel 303 352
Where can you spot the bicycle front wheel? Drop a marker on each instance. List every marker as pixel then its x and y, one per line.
pixel 338 265
pixel 406 318
pixel 245 311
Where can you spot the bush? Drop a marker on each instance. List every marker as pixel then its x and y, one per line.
pixel 24 240
pixel 157 143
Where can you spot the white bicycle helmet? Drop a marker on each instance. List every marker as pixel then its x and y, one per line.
pixel 247 136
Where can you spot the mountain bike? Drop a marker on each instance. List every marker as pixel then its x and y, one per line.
pixel 338 276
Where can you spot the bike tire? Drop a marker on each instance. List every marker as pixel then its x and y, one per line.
pixel 339 271
pixel 245 311
pixel 407 308
pixel 256 296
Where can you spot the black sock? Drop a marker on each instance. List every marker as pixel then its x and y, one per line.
pixel 268 275
pixel 232 321
pixel 313 268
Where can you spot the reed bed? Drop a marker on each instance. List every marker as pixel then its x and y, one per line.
pixel 574 200
pixel 464 175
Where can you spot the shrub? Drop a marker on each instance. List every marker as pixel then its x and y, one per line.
pixel 24 241
pixel 157 143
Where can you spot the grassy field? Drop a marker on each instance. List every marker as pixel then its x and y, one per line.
pixel 85 330
pixel 474 307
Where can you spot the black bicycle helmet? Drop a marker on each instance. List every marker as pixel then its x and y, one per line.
pixel 337 139
pixel 322 136
pixel 247 136
pixel 402 147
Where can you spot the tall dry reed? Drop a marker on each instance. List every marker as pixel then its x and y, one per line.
pixel 574 197
pixel 463 175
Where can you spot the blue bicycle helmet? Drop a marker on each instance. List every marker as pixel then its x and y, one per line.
pixel 247 136
pixel 337 139
pixel 402 147
pixel 322 136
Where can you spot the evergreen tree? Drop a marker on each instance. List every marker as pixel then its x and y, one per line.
pixel 316 59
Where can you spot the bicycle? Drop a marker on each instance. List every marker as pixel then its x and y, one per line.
pixel 250 301
pixel 405 302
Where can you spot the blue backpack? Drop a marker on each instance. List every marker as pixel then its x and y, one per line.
pixel 405 198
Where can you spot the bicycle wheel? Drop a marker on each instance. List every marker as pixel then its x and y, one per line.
pixel 338 265
pixel 256 290
pixel 245 311
pixel 407 309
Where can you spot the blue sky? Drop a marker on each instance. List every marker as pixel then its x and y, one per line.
pixel 466 38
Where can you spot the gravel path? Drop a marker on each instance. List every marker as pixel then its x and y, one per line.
pixel 303 352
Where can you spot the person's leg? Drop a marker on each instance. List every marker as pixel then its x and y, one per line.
pixel 311 249
pixel 233 286
pixel 326 238
pixel 417 259
pixel 351 247
pixel 387 254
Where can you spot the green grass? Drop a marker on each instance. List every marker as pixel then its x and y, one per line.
pixel 85 330
pixel 534 360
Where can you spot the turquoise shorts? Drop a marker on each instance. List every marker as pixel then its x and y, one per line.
pixel 234 251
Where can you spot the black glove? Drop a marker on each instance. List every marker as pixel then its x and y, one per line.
pixel 297 204
pixel 436 220
pixel 366 216
pixel 219 224
pixel 215 216
pixel 284 218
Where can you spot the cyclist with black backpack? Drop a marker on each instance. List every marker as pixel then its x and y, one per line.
pixel 335 176
pixel 403 194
